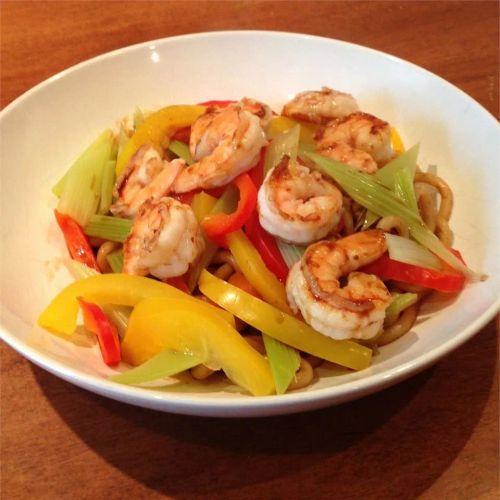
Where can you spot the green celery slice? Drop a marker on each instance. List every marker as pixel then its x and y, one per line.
pixel 181 150
pixel 82 186
pixel 290 253
pixel 399 303
pixel 115 260
pixel 404 162
pixel 164 364
pixel 107 185
pixel 85 158
pixel 108 227
pixel 284 144
pixel 283 360
pixel 369 192
pixel 410 252
pixel 404 190
pixel 138 117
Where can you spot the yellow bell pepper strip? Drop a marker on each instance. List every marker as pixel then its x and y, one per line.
pixel 157 324
pixel 120 289
pixel 397 142
pixel 281 124
pixel 252 266
pixel 156 127
pixel 282 326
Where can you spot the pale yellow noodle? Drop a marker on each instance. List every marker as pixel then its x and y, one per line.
pixel 400 327
pixel 104 250
pixel 303 377
pixel 426 206
pixel 393 223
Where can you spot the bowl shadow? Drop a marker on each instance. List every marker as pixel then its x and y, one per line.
pixel 419 425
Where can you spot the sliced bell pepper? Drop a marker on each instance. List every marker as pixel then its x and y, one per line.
pixel 221 224
pixel 267 247
pixel 78 245
pixel 157 324
pixel 447 280
pixel 120 289
pixel 179 283
pixel 217 103
pixel 156 127
pixel 97 322
pixel 281 124
pixel 252 266
pixel 281 326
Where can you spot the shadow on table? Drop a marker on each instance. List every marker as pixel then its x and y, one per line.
pixel 419 425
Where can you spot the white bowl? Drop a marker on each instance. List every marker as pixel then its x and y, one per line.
pixel 46 128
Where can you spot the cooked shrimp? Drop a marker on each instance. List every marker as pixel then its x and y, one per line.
pixel 320 106
pixel 360 139
pixel 224 144
pixel 146 177
pixel 257 108
pixel 356 310
pixel 165 239
pixel 297 205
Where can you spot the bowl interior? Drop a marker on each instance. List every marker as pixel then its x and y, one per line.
pixel 43 131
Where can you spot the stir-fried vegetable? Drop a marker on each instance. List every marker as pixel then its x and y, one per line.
pixel 184 326
pixel 282 326
pixel 78 245
pixel 123 289
pixel 156 127
pixel 367 191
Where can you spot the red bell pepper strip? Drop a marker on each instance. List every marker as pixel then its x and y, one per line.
pixel 98 323
pixel 182 134
pixel 78 245
pixel 179 283
pixel 216 103
pixel 447 280
pixel 220 224
pixel 267 247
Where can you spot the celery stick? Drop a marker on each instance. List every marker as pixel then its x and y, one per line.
pixel 399 303
pixel 284 144
pixel 403 188
pixel 138 117
pixel 367 191
pixel 370 219
pixel 107 185
pixel 78 270
pixel 82 188
pixel 119 315
pixel 406 161
pixel 115 260
pixel 181 150
pixel 108 227
pixel 164 364
pixel 283 360
pixel 122 139
pixel 290 253
pixel 85 158
pixel 410 252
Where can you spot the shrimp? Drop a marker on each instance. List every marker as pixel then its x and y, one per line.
pixel 165 239
pixel 146 177
pixel 320 106
pixel 257 108
pixel 360 139
pixel 297 205
pixel 356 310
pixel 224 143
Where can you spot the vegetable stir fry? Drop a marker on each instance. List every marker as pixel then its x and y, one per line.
pixel 223 237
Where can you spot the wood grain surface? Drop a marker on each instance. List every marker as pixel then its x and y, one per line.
pixel 435 436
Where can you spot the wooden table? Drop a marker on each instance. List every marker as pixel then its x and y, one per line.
pixel 434 436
